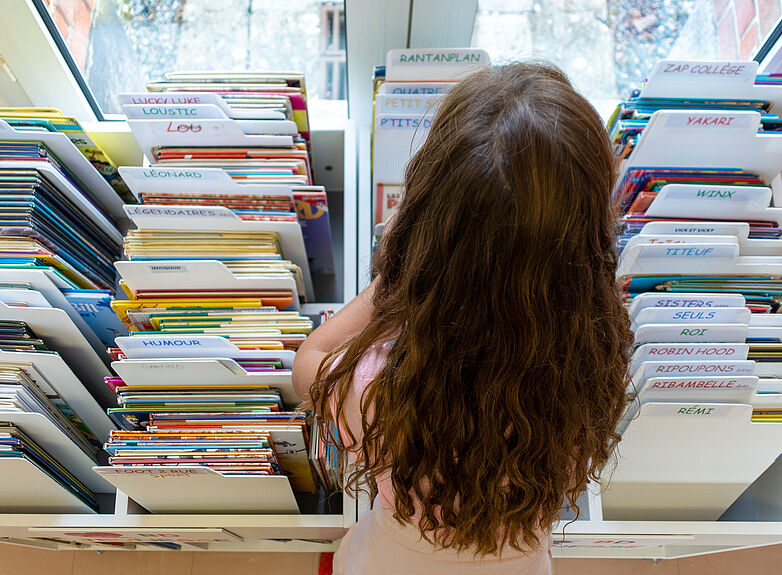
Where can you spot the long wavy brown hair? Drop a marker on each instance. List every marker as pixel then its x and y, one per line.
pixel 506 379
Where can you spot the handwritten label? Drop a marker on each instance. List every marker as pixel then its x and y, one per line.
pixel 689 251
pixel 428 57
pixel 405 122
pixel 177 212
pixel 724 71
pixel 711 122
pixel 162 100
pixel 701 368
pixel 695 384
pixel 684 351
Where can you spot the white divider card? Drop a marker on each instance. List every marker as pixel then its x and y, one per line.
pixel 713 201
pixel 173 111
pixel 57 329
pixel 67 188
pixel 154 346
pixel 190 99
pixel 692 333
pixel 62 147
pixel 49 284
pixel 415 65
pixel 670 231
pixel 699 139
pixel 201 274
pixel 151 134
pixel 419 104
pixel 25 488
pixel 25 297
pixel 766 320
pixel 189 490
pixel 408 88
pixel 680 300
pixel 44 432
pixel 739 389
pixel 53 376
pixel 687 352
pixel 688 461
pixel 769 385
pixel 396 138
pixel 768 369
pixel 196 181
pixel 690 259
pixel 651 369
pixel 202 372
pixel 709 79
pixel 673 315
pixel 220 218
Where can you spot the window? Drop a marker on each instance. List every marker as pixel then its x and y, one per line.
pixel 119 45
pixel 607 47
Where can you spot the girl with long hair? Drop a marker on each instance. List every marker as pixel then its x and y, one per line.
pixel 477 382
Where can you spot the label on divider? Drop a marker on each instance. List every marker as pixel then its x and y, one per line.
pixel 688 300
pixel 668 228
pixel 433 64
pixel 651 369
pixel 691 333
pixel 690 251
pixel 169 346
pixel 403 122
pixel 173 111
pixel 406 104
pixel 719 202
pixel 699 71
pixel 687 352
pixel 710 389
pixel 711 121
pixel 716 410
pixel 689 315
pixel 411 88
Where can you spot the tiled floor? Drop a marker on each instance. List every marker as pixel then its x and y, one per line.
pixel 25 561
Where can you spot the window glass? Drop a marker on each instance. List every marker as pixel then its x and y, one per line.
pixel 119 45
pixel 607 47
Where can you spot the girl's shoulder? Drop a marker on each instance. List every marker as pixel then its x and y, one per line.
pixel 371 362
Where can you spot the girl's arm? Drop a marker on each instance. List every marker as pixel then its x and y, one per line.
pixel 346 322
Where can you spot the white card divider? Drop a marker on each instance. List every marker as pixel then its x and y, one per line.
pixel 709 80
pixel 48 370
pixel 716 202
pixel 57 328
pixel 204 371
pixel 195 274
pixel 25 488
pixel 151 134
pixel 151 346
pixel 701 139
pixel 46 434
pixel 197 489
pixel 80 166
pixel 705 256
pixel 681 232
pixel 220 218
pixel 69 190
pixel 433 64
pixel 197 99
pixel 688 461
pixel 200 181
pixel 49 284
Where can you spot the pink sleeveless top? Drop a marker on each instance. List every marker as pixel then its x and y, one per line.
pixel 378 544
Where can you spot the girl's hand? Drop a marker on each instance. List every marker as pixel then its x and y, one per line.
pixel 347 322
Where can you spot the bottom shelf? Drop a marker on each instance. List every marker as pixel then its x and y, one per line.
pixel 754 520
